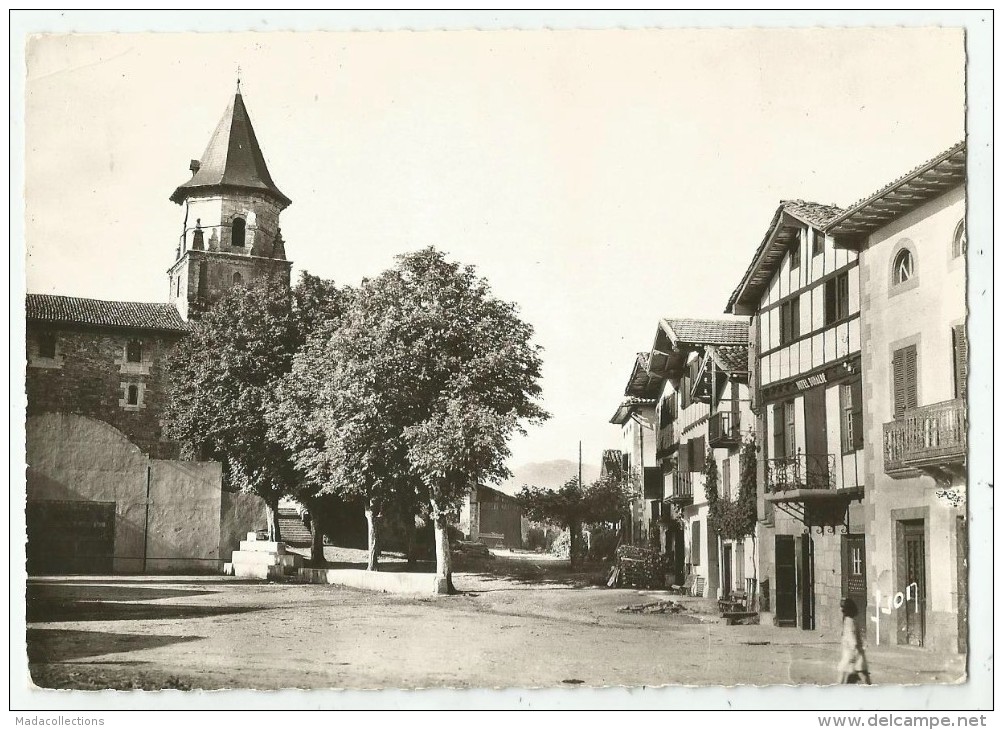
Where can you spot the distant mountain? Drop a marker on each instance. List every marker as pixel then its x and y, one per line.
pixel 547 474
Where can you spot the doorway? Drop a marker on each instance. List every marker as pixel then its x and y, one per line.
pixel 806 583
pixel 854 570
pixel 912 582
pixel 66 537
pixel 786 590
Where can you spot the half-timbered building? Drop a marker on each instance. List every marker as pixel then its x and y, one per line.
pixel 802 296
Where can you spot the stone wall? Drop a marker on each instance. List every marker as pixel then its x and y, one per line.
pixel 90 376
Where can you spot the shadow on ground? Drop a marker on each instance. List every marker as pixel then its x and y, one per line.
pixel 48 602
pixel 64 645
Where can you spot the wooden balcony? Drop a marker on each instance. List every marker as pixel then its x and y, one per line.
pixel 682 488
pixel 929 439
pixel 724 429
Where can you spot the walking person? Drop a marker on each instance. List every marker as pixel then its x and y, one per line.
pixel 852 666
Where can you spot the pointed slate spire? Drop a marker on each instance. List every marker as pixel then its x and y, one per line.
pixel 232 160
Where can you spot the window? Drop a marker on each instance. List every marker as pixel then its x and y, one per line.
pixel 726 479
pixel 47 345
pixel 177 292
pixel 134 351
pixel 960 337
pixel 238 280
pixel 132 396
pixel 856 560
pixel 904 268
pixel 796 253
pixel 237 232
pixel 790 320
pixel 818 243
pixel 695 544
pixel 960 247
pixel 904 379
pixel 837 298
pixel 851 416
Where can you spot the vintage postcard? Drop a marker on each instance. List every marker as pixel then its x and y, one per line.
pixel 496 358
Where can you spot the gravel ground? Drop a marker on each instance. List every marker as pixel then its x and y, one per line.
pixel 520 621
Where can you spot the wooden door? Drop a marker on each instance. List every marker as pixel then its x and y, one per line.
pixel 913 583
pixel 740 568
pixel 806 583
pixel 786 590
pixel 962 544
pixel 726 585
pixel 854 577
pixel 66 537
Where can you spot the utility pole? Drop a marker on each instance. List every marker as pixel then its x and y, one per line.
pixel 579 464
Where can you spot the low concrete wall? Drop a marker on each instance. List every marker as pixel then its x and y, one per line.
pixel 422 584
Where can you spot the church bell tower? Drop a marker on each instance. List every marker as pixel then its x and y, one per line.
pixel 231 208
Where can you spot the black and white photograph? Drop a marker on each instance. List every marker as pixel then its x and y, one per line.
pixel 495 358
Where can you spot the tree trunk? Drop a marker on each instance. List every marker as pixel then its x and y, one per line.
pixel 317 544
pixel 575 533
pixel 373 519
pixel 409 538
pixel 443 556
pixel 274 532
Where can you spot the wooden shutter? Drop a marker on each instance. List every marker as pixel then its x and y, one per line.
pixel 904 379
pixel 857 414
pixel 698 458
pixel 960 337
pixel 695 544
pixel 779 439
pixel 795 317
pixel 726 479
pixel 683 464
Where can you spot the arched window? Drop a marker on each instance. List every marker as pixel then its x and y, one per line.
pixel 960 247
pixel 238 280
pixel 904 268
pixel 237 232
pixel 133 395
pixel 134 351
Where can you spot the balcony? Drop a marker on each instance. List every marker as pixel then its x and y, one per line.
pixel 724 429
pixel 930 439
pixel 801 477
pixel 682 488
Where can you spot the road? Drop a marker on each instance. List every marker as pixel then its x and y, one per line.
pixel 519 623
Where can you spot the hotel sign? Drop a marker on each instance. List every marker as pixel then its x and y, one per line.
pixel 812 380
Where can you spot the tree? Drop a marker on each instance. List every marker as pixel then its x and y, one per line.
pixel 416 394
pixel 572 506
pixel 221 376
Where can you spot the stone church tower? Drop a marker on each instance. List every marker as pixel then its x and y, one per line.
pixel 231 217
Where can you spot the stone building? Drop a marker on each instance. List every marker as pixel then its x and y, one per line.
pixel 802 295
pixel 910 241
pixel 103 491
pixel 490 516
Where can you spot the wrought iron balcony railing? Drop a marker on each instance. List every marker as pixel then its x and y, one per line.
pixel 724 428
pixel 931 435
pixel 803 471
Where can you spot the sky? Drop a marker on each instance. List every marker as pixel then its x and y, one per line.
pixel 600 179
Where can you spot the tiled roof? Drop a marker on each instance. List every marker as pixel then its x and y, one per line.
pixel 733 358
pixel 814 214
pixel 98 313
pixel 232 159
pixel 920 184
pixel 708 331
pixel 628 406
pixel 771 250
